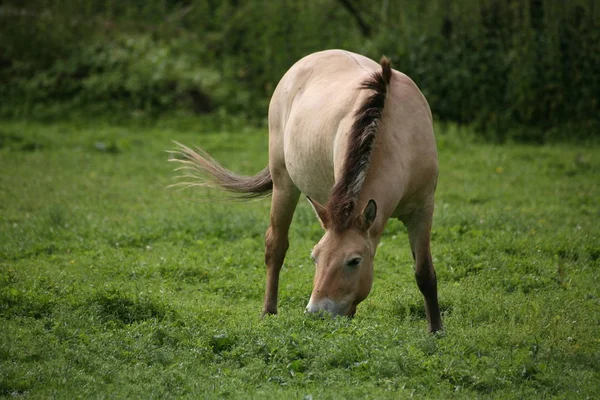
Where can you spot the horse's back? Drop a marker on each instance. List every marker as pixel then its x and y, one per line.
pixel 311 113
pixel 320 85
pixel 313 105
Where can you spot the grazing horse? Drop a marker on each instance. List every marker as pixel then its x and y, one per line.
pixel 356 137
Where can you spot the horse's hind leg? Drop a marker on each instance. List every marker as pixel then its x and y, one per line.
pixel 283 203
pixel 419 234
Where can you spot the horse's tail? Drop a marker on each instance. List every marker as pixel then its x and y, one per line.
pixel 200 169
pixel 365 128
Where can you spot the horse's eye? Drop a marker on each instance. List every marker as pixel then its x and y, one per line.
pixel 354 262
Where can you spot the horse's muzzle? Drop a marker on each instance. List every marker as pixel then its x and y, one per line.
pixel 331 307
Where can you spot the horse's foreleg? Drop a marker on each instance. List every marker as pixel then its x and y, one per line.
pixel 419 234
pixel 283 204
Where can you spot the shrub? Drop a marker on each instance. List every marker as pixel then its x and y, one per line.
pixel 524 70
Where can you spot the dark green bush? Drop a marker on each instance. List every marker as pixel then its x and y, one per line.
pixel 134 71
pixel 525 70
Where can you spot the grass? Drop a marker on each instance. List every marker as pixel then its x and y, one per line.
pixel 113 286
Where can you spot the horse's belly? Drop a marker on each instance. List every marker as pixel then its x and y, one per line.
pixel 309 158
pixel 313 176
pixel 314 132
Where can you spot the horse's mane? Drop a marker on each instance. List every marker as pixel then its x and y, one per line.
pixel 344 194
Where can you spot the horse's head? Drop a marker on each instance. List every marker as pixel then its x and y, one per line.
pixel 344 263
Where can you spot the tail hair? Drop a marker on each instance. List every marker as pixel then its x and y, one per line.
pixel 201 170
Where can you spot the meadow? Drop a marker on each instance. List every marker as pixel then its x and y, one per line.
pixel 113 285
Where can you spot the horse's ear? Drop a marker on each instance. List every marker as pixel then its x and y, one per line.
pixel 320 211
pixel 369 213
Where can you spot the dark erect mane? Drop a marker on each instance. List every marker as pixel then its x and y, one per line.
pixel 344 194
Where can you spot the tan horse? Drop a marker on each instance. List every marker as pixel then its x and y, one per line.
pixel 357 139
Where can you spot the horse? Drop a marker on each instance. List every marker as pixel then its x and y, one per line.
pixel 356 138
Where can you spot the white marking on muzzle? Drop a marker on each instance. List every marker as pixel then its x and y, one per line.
pixel 324 305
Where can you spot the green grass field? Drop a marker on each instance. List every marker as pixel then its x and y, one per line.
pixel 114 286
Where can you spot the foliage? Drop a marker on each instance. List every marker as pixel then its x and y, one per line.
pixel 137 72
pixel 524 70
pixel 506 65
pixel 112 285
